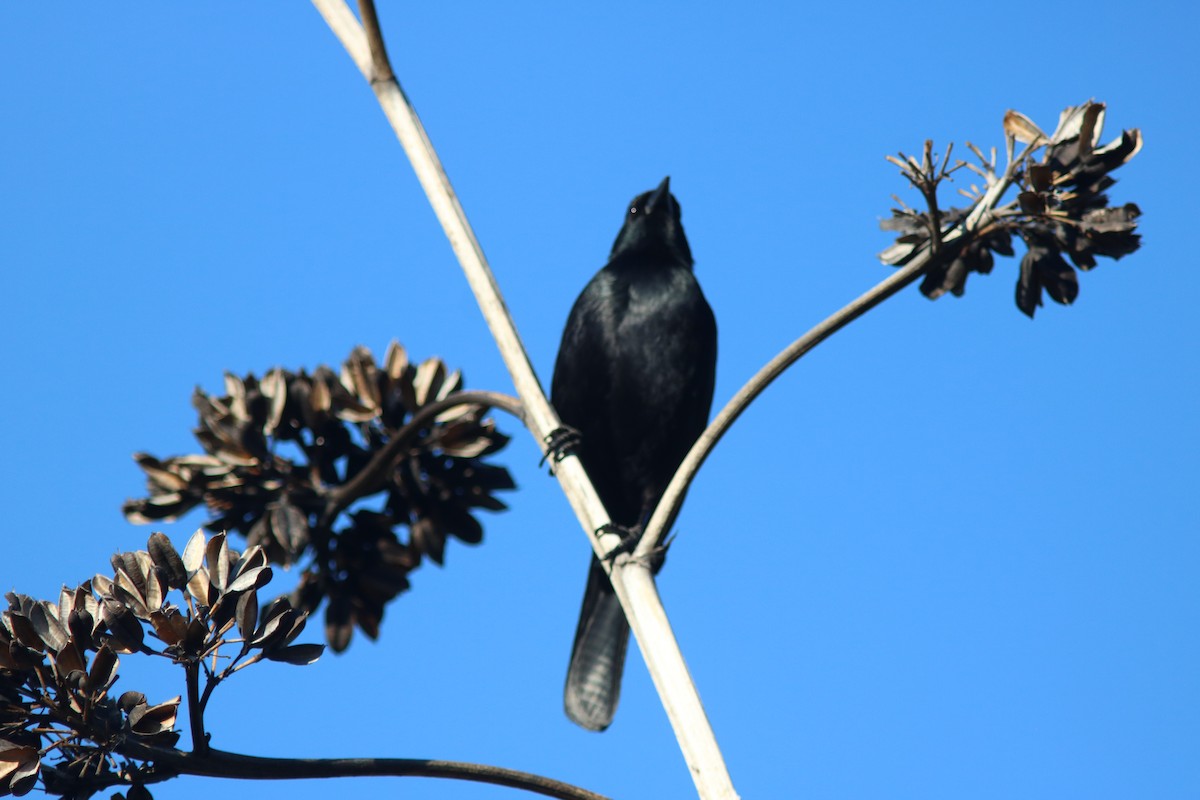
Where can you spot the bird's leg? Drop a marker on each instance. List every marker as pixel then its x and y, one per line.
pixel 560 443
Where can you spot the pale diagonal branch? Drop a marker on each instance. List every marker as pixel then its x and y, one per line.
pixel 638 596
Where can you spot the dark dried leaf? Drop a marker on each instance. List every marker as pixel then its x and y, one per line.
pixel 298 622
pixel 936 283
pixel 1090 126
pixel 1029 290
pixel 19 765
pixel 1109 232
pixel 167 560
pixel 235 388
pixel 464 526
pixel 486 501
pixel 217 558
pixel 68 659
pixel 82 626
pixel 66 602
pixel 136 575
pixel 428 383
pixel 1119 151
pixel 1032 203
pixel 124 593
pixel 395 360
pixel 221 432
pixel 247 614
pixel 320 397
pixel 339 623
pixel 24 631
pixel 290 526
pixel 160 475
pixel 1000 241
pixel 123 626
pixel 1041 177
pixel 274 388
pixel 275 623
pixel 201 589
pixel 24 778
pixel 427 537
pixel 48 628
pixel 299 654
pixel 104 669
pixel 128 564
pixel 193 552
pixel 1058 278
pixel 146 720
pixel 343 403
pixel 130 700
pixel 21 603
pixel 360 378
pixel 466 438
pixel 368 617
pixel 1022 128
pixel 197 635
pixel 254 578
pixel 169 625
pixel 103 585
pixel 164 507
pixel 1070 123
pixel 20 657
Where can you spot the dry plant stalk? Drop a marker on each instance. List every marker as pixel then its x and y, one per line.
pixel 939 246
pixel 630 577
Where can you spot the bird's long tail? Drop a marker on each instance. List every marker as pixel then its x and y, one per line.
pixel 597 656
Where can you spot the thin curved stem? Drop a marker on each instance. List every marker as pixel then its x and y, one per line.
pixel 367 480
pixel 672 499
pixel 221 764
pixel 668 507
pixel 646 615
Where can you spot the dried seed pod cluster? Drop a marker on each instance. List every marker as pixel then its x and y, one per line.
pixel 1061 213
pixel 286 456
pixel 59 660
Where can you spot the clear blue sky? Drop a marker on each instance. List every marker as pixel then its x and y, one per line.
pixel 952 554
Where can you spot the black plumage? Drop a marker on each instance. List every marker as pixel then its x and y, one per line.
pixel 634 376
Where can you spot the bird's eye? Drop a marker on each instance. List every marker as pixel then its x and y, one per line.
pixel 633 209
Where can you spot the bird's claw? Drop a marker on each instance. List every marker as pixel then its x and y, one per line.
pixel 560 443
pixel 629 539
pixel 629 542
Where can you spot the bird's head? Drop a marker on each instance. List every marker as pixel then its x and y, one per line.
pixel 653 227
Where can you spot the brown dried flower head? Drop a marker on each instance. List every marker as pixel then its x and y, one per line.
pixel 289 459
pixel 1061 213
pixel 59 660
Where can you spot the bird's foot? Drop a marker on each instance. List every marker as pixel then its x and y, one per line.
pixel 560 443
pixel 629 539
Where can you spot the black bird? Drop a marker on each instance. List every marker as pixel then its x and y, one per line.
pixel 634 377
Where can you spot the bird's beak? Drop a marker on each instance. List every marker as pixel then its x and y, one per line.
pixel 659 196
